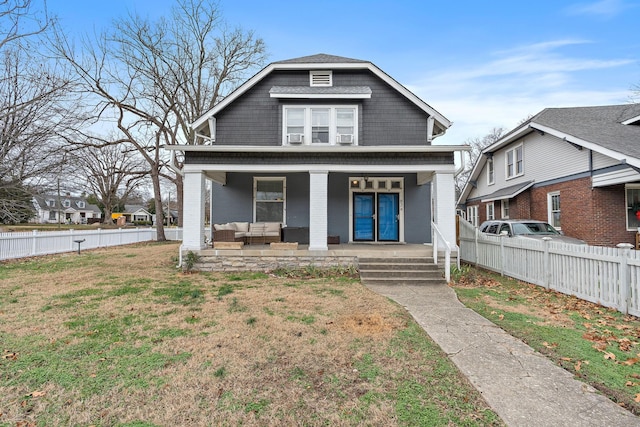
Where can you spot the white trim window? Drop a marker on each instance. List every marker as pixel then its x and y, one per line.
pixel 553 206
pixel 504 208
pixel 269 199
pixel 514 159
pixel 632 201
pixel 491 212
pixel 320 125
pixel 472 215
pixel 66 203
pixel 490 171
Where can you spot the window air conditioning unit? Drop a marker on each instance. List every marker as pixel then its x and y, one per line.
pixel 295 138
pixel 345 138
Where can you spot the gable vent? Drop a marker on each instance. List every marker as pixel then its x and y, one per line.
pixel 321 78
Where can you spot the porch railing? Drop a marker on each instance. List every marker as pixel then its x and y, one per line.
pixel 438 238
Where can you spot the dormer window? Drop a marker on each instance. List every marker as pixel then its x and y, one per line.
pixel 321 78
pixel 51 202
pixel 81 204
pixel 66 203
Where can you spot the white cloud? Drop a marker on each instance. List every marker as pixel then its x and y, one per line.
pixel 515 84
pixel 603 8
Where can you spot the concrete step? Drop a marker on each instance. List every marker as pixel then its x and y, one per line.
pixel 390 281
pixel 398 266
pixel 396 271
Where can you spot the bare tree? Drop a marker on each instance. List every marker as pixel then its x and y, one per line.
pixel 110 172
pixel 477 145
pixel 155 78
pixel 20 19
pixel 35 105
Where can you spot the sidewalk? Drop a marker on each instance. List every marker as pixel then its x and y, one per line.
pixel 522 386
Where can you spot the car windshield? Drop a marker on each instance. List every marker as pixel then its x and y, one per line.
pixel 537 228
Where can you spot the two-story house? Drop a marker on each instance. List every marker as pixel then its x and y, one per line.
pixel 576 168
pixel 327 143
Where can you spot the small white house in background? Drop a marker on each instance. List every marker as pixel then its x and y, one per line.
pixel 137 213
pixel 53 209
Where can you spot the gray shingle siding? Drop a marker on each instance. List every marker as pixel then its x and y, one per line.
pixel 387 118
pixel 352 158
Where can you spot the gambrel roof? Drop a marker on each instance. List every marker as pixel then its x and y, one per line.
pixel 326 62
pixel 611 130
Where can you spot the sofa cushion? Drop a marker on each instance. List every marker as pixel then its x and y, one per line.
pixel 241 226
pixel 218 227
pixel 272 227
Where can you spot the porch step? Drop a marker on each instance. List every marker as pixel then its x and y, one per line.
pixel 405 270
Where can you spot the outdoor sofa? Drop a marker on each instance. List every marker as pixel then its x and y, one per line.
pixel 249 233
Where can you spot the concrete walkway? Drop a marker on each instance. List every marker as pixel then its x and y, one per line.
pixel 523 387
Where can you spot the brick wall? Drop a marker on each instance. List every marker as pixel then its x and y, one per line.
pixel 595 215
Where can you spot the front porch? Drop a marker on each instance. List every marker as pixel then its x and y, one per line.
pixel 264 258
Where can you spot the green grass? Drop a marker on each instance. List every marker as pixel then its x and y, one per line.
pixel 586 339
pixel 227 349
pixel 183 292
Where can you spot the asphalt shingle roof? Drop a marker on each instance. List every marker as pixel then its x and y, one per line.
pixel 599 125
pixel 320 58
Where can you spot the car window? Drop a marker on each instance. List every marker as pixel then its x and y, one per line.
pixel 492 228
pixel 505 227
pixel 520 229
pixel 540 228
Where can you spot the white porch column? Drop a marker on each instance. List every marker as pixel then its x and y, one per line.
pixel 193 209
pixel 318 184
pixel 443 195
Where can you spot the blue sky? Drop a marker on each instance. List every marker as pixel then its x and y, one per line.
pixel 482 64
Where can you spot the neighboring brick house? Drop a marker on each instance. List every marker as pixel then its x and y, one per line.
pixel 325 143
pixel 576 168
pixel 65 208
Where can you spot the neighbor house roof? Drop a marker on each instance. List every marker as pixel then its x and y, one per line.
pixel 50 202
pixel 319 62
pixel 612 130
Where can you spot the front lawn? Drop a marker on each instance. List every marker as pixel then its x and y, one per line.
pixel 121 337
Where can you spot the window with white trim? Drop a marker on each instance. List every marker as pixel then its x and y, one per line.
pixel 632 200
pixel 269 199
pixel 553 206
pixel 66 203
pixel 504 208
pixel 472 215
pixel 515 162
pixel 490 211
pixel 490 171
pixel 81 204
pixel 323 124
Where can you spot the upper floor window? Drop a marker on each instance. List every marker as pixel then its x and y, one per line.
pixel 51 202
pixel 81 204
pixel 515 164
pixel 320 125
pixel 66 203
pixel 490 172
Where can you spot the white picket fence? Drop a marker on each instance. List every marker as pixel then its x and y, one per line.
pixel 33 243
pixel 606 276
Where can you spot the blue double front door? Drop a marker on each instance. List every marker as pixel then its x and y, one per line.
pixel 376 217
